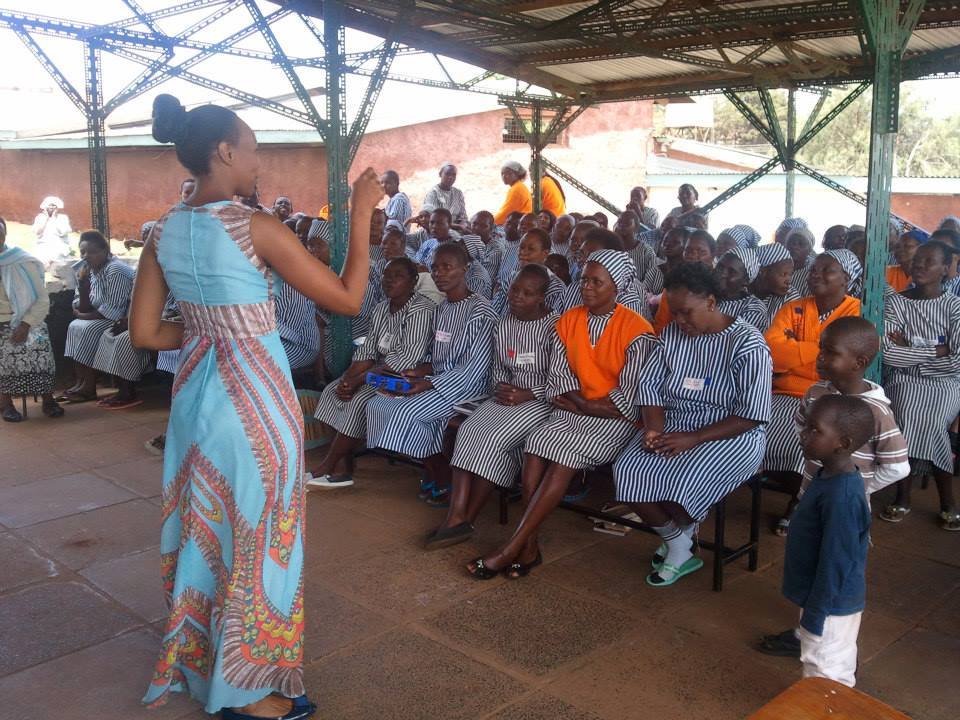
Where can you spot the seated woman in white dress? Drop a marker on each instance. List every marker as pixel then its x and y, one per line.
pixel 397 340
pixel 705 398
pixel 600 348
pixel 104 286
pixel 489 444
pixel 413 423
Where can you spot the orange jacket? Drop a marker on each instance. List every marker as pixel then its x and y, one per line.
pixel 598 368
pixel 551 198
pixel 663 317
pixel 795 359
pixel 518 200
pixel 897 278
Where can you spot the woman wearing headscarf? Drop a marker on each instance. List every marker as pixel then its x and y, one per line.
pixel 52 228
pixel 738 236
pixel 800 244
pixel 898 276
pixel 794 340
pixel 772 284
pixel 630 291
pixel 518 196
pixel 26 358
pixel 600 348
pixel 734 272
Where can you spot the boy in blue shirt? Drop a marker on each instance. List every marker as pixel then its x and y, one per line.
pixel 826 554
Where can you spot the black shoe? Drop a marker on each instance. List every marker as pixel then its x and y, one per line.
pixel 11 414
pixel 785 644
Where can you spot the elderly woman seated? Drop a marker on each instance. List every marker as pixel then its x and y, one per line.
pixel 104 286
pixel 705 397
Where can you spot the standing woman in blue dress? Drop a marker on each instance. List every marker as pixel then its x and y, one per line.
pixel 231 543
pixel 705 398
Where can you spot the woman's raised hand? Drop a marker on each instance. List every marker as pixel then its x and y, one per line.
pixel 367 190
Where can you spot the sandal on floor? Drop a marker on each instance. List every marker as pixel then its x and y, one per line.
pixel 894 513
pixel 11 414
pixel 156 444
pixel 521 570
pixel 75 398
pixel 655 579
pixel 302 708
pixel 950 521
pixel 122 404
pixel 785 644
pixel 52 409
pixel 479 571
pixel 439 498
pixel 782 527
pixel 445 537
pixel 656 562
pixel 426 489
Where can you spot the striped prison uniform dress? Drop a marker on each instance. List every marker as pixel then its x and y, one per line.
pixel 562 248
pixel 509 262
pixel 399 208
pixel 554 297
pixel 582 442
pixel 883 458
pixel 451 200
pixel 490 442
pixel 749 308
pixel 478 279
pixel 116 355
pixel 372 297
pixel 643 258
pixel 773 303
pixel 167 360
pixel 653 280
pixel 699 381
pixel 924 390
pixel 396 341
pixel 798 281
pixel 297 325
pixel 110 290
pixel 491 257
pixel 630 297
pixel 460 354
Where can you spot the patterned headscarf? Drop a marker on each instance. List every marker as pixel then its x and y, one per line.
pixel 319 229
pixel 791 223
pixel 771 254
pixel 748 256
pixel 618 264
pixel 849 264
pixel 474 245
pixel 743 235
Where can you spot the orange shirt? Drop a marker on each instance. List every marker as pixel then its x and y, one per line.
pixel 795 359
pixel 897 278
pixel 663 317
pixel 551 198
pixel 518 199
pixel 598 368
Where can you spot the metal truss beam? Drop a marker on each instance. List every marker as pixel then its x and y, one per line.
pixel 65 85
pixel 741 184
pixel 596 197
pixel 815 113
pixel 377 79
pixel 96 139
pixel 773 124
pixel 168 12
pixel 808 133
pixel 750 116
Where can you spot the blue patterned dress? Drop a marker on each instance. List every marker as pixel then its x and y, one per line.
pixel 231 542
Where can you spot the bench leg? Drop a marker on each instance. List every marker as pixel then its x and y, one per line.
pixel 755 497
pixel 719 548
pixel 23 406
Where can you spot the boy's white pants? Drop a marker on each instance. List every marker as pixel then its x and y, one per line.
pixel 832 655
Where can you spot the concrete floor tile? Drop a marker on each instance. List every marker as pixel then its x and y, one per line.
pixel 143 476
pixel 527 625
pixel 917 675
pixel 404 675
pixel 102 534
pixel 333 622
pixel 337 536
pixel 46 621
pixel 945 617
pixel 106 448
pixel 878 632
pixel 21 564
pixel 133 581
pixel 543 707
pixel 36 502
pixel 905 586
pixel 20 467
pixel 105 682
pixel 919 534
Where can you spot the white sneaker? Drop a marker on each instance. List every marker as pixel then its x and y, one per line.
pixel 328 481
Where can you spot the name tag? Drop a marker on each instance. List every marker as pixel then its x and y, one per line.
pixel 442 336
pixel 922 342
pixel 528 358
pixel 695 383
pixel 386 342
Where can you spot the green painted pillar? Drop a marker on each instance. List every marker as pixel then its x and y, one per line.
pixel 791 176
pixel 338 165
pixel 536 150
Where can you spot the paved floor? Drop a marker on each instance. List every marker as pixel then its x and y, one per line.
pixel 394 632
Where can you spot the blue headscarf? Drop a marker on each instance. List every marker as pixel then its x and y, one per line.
pixel 18 283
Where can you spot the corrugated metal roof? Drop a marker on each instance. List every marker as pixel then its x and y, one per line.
pixel 649 48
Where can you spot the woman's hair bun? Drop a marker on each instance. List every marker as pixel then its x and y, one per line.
pixel 169 119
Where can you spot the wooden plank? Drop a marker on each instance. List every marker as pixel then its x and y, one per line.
pixel 822 699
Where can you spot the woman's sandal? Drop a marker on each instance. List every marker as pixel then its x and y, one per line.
pixel 121 404
pixel 950 521
pixel 75 398
pixel 426 489
pixel 52 409
pixel 782 527
pixel 439 498
pixel 655 579
pixel 302 708
pixel 894 513
pixel 479 571
pixel 445 537
pixel 11 414
pixel 520 570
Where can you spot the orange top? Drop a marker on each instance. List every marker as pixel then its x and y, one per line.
pixel 663 317
pixel 551 198
pixel 518 200
pixel 795 359
pixel 897 278
pixel 598 367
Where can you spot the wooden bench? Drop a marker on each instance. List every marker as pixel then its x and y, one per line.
pixel 822 699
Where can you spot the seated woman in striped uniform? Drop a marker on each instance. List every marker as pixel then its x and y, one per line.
pixel 800 242
pixel 671 247
pixel 734 272
pixel 921 363
pixel 391 246
pixel 104 286
pixel 413 423
pixel 397 340
pixel 577 238
pixel 898 276
pixel 600 348
pixel 534 250
pixel 772 284
pixel 489 444
pixel 117 356
pixel 794 340
pixel 478 279
pixel 627 228
pixel 483 227
pixel 705 398
pixel 700 247
pixel 630 296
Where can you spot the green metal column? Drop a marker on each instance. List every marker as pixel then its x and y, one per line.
pixel 338 164
pixel 791 177
pixel 96 139
pixel 536 151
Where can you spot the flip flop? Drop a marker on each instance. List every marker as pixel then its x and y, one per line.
pixel 654 579
pixel 75 398
pixel 123 405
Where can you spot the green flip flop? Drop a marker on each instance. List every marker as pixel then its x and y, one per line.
pixel 654 579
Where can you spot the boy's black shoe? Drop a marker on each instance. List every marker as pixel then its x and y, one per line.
pixel 785 644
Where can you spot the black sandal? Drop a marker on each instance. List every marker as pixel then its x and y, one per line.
pixel 52 409
pixel 783 644
pixel 479 571
pixel 11 414
pixel 445 537
pixel 520 570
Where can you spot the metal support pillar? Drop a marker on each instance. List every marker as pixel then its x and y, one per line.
pixel 96 139
pixel 791 176
pixel 536 149
pixel 337 147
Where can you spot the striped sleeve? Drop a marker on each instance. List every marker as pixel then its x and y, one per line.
pixel 368 351
pixel 555 294
pixel 548 347
pixel 948 365
pixel 116 290
pixel 752 373
pixel 561 379
pixel 499 372
pixel 410 349
pixel 624 396
pixel 474 364
pixel 651 378
pixel 890 452
pixel 894 321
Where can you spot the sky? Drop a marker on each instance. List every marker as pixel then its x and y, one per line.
pixel 31 103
